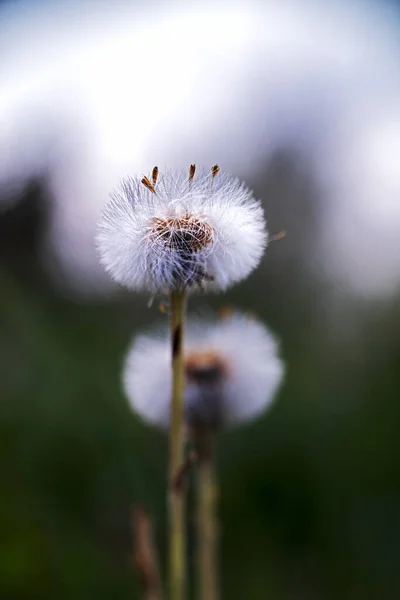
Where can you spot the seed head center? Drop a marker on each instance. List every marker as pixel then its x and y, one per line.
pixel 187 234
pixel 205 367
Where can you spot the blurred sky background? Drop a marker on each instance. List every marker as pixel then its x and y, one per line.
pixel 301 98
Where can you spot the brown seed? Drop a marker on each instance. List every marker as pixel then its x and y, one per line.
pixel 147 183
pixel 155 175
pixel 192 171
pixel 215 170
pixel 277 236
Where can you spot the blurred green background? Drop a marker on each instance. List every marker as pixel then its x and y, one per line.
pixel 310 494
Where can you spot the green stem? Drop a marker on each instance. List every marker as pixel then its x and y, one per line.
pixel 208 564
pixel 177 563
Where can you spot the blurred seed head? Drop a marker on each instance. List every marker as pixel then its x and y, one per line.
pixel 232 366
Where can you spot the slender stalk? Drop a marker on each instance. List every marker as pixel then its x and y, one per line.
pixel 207 535
pixel 177 549
pixel 145 554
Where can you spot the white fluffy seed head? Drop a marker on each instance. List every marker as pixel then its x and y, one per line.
pixel 232 369
pixel 205 231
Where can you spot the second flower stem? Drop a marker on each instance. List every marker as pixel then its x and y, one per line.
pixel 207 528
pixel 177 549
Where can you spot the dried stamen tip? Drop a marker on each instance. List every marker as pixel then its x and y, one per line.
pixel 147 183
pixel 277 236
pixel 215 170
pixel 163 308
pixel 154 175
pixel 192 171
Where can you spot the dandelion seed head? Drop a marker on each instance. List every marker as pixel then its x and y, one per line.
pixel 195 229
pixel 232 369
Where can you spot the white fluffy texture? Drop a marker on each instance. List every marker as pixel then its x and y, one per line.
pixel 206 83
pixel 225 212
pixel 248 347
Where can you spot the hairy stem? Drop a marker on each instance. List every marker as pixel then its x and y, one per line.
pixel 208 564
pixel 177 549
